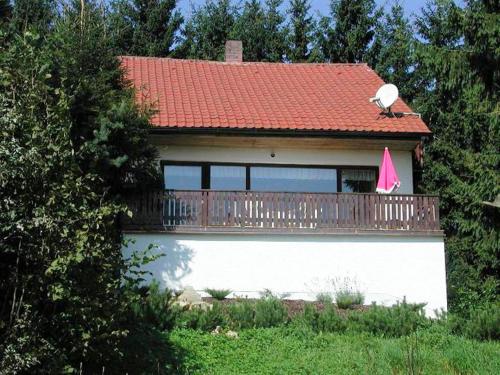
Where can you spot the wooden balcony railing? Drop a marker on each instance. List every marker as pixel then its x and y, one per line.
pixel 247 210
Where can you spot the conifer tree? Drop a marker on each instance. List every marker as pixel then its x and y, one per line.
pixel 459 71
pixel 32 14
pixel 275 32
pixel 250 28
pixel 206 32
pixel 145 28
pixel 301 30
pixel 351 31
pixel 261 30
pixel 392 52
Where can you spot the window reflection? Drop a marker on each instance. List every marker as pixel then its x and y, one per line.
pixel 225 177
pixel 358 180
pixel 182 177
pixel 313 180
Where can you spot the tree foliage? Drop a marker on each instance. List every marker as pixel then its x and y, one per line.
pixel 208 29
pixel 261 30
pixel 301 31
pixel 351 31
pixel 458 62
pixel 32 14
pixel 392 53
pixel 250 28
pixel 68 129
pixel 145 28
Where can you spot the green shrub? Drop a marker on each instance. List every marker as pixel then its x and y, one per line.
pixel 326 320
pixel 345 299
pixel 218 294
pixel 241 315
pixel 201 319
pixel 324 297
pixel 270 312
pixel 398 320
pixel 483 323
pixel 154 307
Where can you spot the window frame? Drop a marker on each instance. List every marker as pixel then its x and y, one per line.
pixel 205 170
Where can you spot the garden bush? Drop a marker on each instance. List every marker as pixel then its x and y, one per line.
pixel 482 323
pixel 154 307
pixel 198 318
pixel 270 312
pixel 345 299
pixel 327 320
pixel 241 315
pixel 396 321
pixel 324 297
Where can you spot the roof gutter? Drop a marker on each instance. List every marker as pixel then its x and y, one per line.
pixel 289 133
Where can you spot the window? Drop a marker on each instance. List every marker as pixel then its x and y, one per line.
pixel 182 177
pixel 228 177
pixel 358 180
pixel 313 180
pixel 233 177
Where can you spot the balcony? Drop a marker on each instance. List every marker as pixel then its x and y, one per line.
pixel 278 212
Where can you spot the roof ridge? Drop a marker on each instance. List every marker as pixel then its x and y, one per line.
pixel 244 63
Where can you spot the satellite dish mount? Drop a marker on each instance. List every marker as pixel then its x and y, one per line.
pixel 385 97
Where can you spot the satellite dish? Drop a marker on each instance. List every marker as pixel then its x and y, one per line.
pixel 386 96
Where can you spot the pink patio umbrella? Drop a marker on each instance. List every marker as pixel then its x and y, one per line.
pixel 388 181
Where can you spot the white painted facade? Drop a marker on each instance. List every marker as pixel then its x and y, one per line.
pixel 385 268
pixel 334 157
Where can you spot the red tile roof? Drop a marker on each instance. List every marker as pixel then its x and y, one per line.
pixel 271 96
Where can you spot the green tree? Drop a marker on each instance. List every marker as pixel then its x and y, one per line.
pixel 459 67
pixel 392 53
pixel 301 30
pixel 275 31
pixel 206 32
pixel 250 28
pixel 261 30
pixel 351 31
pixel 32 14
pixel 71 140
pixel 145 27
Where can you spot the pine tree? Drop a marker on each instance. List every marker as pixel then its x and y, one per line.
pixel 352 30
pixel 459 67
pixel 32 14
pixel 206 32
pixel 301 30
pixel 392 52
pixel 261 30
pixel 145 28
pixel 250 28
pixel 275 32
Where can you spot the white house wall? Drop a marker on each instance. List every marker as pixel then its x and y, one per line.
pixel 402 159
pixel 385 268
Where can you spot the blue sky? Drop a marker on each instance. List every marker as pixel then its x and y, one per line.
pixel 410 6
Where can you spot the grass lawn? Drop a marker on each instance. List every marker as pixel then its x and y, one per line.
pixel 297 351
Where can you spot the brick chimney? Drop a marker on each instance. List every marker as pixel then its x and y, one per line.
pixel 234 51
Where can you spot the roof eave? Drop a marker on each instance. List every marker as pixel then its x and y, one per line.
pixel 259 132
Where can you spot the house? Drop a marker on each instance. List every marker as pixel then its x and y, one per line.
pixel 270 172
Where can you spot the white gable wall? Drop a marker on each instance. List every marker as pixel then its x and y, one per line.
pixel 401 159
